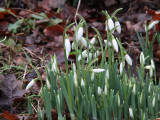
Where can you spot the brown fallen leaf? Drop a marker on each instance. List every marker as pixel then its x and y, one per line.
pixel 9 116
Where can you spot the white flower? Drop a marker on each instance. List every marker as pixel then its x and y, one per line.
pixel 83 55
pixel 105 89
pixel 118 100
pixel 98 70
pixel 73 46
pixel 121 67
pixel 152 64
pixel 128 59
pixel 96 54
pixel 90 57
pixel 151 72
pixel 84 42
pixel 142 58
pixel 107 75
pixel 99 91
pixel 75 79
pixel 118 26
pixel 153 102
pixel 148 67
pixel 30 84
pixel 151 25
pixel 92 76
pixel 74 67
pixel 109 43
pixel 131 112
pixel 79 34
pixel 134 89
pixel 110 24
pixel 115 44
pixel 54 68
pixel 92 41
pixel 68 45
pixel 48 84
pixel 82 82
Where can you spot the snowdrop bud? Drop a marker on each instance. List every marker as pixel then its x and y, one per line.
pixel 73 46
pixel 151 25
pixel 74 67
pixel 67 45
pixel 90 57
pixel 92 76
pixel 75 79
pixel 118 26
pixel 148 67
pixel 82 82
pixel 99 91
pixel 105 89
pixel 119 101
pixel 84 42
pixel 121 67
pixel 31 83
pixel 58 98
pixel 151 72
pixel 79 34
pixel 96 54
pixel 134 89
pixel 128 59
pixel 142 58
pixel 152 64
pixel 149 88
pixel 110 24
pixel 131 112
pixel 54 68
pixel 98 70
pixel 115 44
pixel 48 84
pixel 107 75
pixel 83 55
pixel 153 102
pixel 92 41
pixel 55 59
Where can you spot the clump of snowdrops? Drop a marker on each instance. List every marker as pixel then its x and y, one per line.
pixel 99 90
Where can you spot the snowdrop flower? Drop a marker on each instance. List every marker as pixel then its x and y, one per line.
pixel 74 67
pixel 110 24
pixel 48 84
pixel 79 34
pixel 92 41
pixel 107 75
pixel 98 70
pixel 151 72
pixel 105 89
pixel 134 89
pixel 92 76
pixel 109 43
pixel 148 67
pixel 142 58
pixel 75 79
pixel 152 64
pixel 118 26
pixel 82 82
pixel 90 57
pixel 121 67
pixel 67 45
pixel 128 59
pixel 31 83
pixel 115 44
pixel 73 46
pixel 153 102
pixel 54 68
pixel 84 42
pixel 151 25
pixel 118 98
pixel 99 91
pixel 131 112
pixel 83 55
pixel 96 54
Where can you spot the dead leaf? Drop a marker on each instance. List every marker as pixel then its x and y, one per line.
pixel 9 116
pixel 10 88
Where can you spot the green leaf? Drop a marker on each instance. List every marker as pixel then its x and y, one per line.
pixel 41 16
pixel 11 43
pixel 13 27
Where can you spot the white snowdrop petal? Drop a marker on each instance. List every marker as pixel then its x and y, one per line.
pixel 99 91
pixel 142 58
pixel 115 44
pixel 151 25
pixel 118 26
pixel 79 34
pixel 110 24
pixel 131 112
pixel 68 45
pixel 30 84
pixel 84 42
pixel 98 70
pixel 153 102
pixel 128 59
